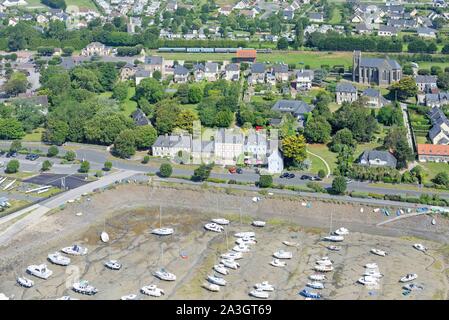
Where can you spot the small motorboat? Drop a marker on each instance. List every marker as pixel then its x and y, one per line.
pixel 104 236
pixel 3 296
pixel 152 290
pixel 211 286
pixel 129 297
pixel 25 282
pixel 341 231
pixel 409 277
pixel 40 271
pixel 315 285
pixel 278 263
pixel 216 280
pixel 334 248
pixel 59 259
pixel 213 227
pixel 245 234
pixel 310 294
pixel 317 277
pixel 258 223
pixel 257 293
pixel 164 275
pixel 324 268
pixel 413 287
pixel 371 266
pixel 420 247
pixel 221 221
pixel 334 238
pixel 231 255
pixel 264 286
pixel 84 287
pixel 290 244
pixel 433 222
pixel 246 240
pixel 241 248
pixel 75 250
pixel 281 254
pixel 373 273
pixel 220 268
pixel 324 261
pixel 163 231
pixel 113 265
pixel 66 298
pixel 378 252
pixel 229 263
pixel 368 280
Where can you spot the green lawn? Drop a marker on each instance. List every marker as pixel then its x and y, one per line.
pixel 432 168
pixel 129 106
pixel 82 4
pixel 35 136
pixel 336 16
pixel 323 151
pixel 35 4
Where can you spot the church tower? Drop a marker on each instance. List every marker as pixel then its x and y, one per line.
pixel 357 57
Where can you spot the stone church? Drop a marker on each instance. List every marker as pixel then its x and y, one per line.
pixel 381 72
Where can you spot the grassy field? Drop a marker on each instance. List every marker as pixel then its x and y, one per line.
pixel 336 16
pixel 35 136
pixel 128 106
pixel 35 4
pixel 312 59
pixel 325 153
pixel 82 4
pixel 432 168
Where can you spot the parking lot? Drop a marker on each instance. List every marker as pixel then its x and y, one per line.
pixel 68 181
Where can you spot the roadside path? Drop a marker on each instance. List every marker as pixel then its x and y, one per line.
pixel 322 159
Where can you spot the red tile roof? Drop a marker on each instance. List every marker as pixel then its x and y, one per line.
pixel 244 53
pixel 433 149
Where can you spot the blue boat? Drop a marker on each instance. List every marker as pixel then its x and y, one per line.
pixel 398 213
pixel 309 294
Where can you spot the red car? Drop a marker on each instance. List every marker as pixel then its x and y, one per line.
pixel 233 170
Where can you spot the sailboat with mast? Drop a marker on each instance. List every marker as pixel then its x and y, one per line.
pixel 162 231
pixel 163 274
pixel 104 235
pixel 332 237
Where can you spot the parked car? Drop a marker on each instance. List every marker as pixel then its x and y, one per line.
pixel 316 178
pixel 2 152
pixel 233 170
pixel 11 154
pixel 284 175
pixel 32 156
pixel 239 170
pixel 291 176
pixel 305 177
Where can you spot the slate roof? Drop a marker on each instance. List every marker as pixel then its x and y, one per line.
pixel 154 60
pixel 181 70
pixel 140 118
pixel 179 141
pixel 345 87
pixel 425 79
pixel 381 155
pixel 280 68
pixel 211 67
pixel 258 68
pixel 232 67
pixel 296 107
pixel 378 63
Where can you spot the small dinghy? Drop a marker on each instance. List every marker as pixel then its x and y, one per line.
pixel 75 250
pixel 152 290
pixel 231 255
pixel 59 259
pixel 324 268
pixel 164 275
pixel 216 280
pixel 241 248
pixel 40 271
pixel 368 280
pixel 341 231
pixel 211 287
pixel 264 286
pixel 317 277
pixel 420 247
pixel 229 263
pixel 378 252
pixel 213 227
pixel 278 263
pixel 371 266
pixel 324 261
pixel 3 296
pixel 413 287
pixel 66 298
pixel 245 240
pixel 433 222
pixel 257 293
pixel 373 273
pixel 25 282
pixel 334 248
pixel 409 277
pixel 245 234
pixel 129 297
pixel 104 236
pixel 258 223
pixel 290 244
pixel 84 287
pixel 220 268
pixel 281 254
pixel 163 231
pixel 221 221
pixel 113 265
pixel 334 238
pixel 310 294
pixel 315 285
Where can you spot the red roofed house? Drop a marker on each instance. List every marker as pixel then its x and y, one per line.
pixel 246 55
pixel 433 153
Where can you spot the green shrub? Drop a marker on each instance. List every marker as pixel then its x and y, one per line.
pixel 165 170
pixel 46 165
pixel 52 151
pixel 315 186
pixel 70 155
pixel 265 181
pixel 12 166
pixel 84 167
pixel 107 166
pixel 146 159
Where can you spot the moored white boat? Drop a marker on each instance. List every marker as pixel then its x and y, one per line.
pixel 232 255
pixel 104 236
pixel 245 234
pixel 59 259
pixel 278 263
pixel 334 238
pixel 245 240
pixel 211 286
pixel 75 250
pixel 66 298
pixel 229 263
pixel 241 248
pixel 40 271
pixel 371 266
pixel 420 247
pixel 129 297
pixel 317 277
pixel 257 293
pixel 216 280
pixel 113 265
pixel 152 290
pixel 213 227
pixel 324 261
pixel 258 223
pixel 324 268
pixel 25 282
pixel 341 231
pixel 433 222
pixel 221 221
pixel 84 287
pixel 281 254
pixel 334 248
pixel 373 273
pixel 164 275
pixel 310 294
pixel 264 286
pixel 220 268
pixel 163 231
pixel 368 280
pixel 315 285
pixel 409 277
pixel 379 252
